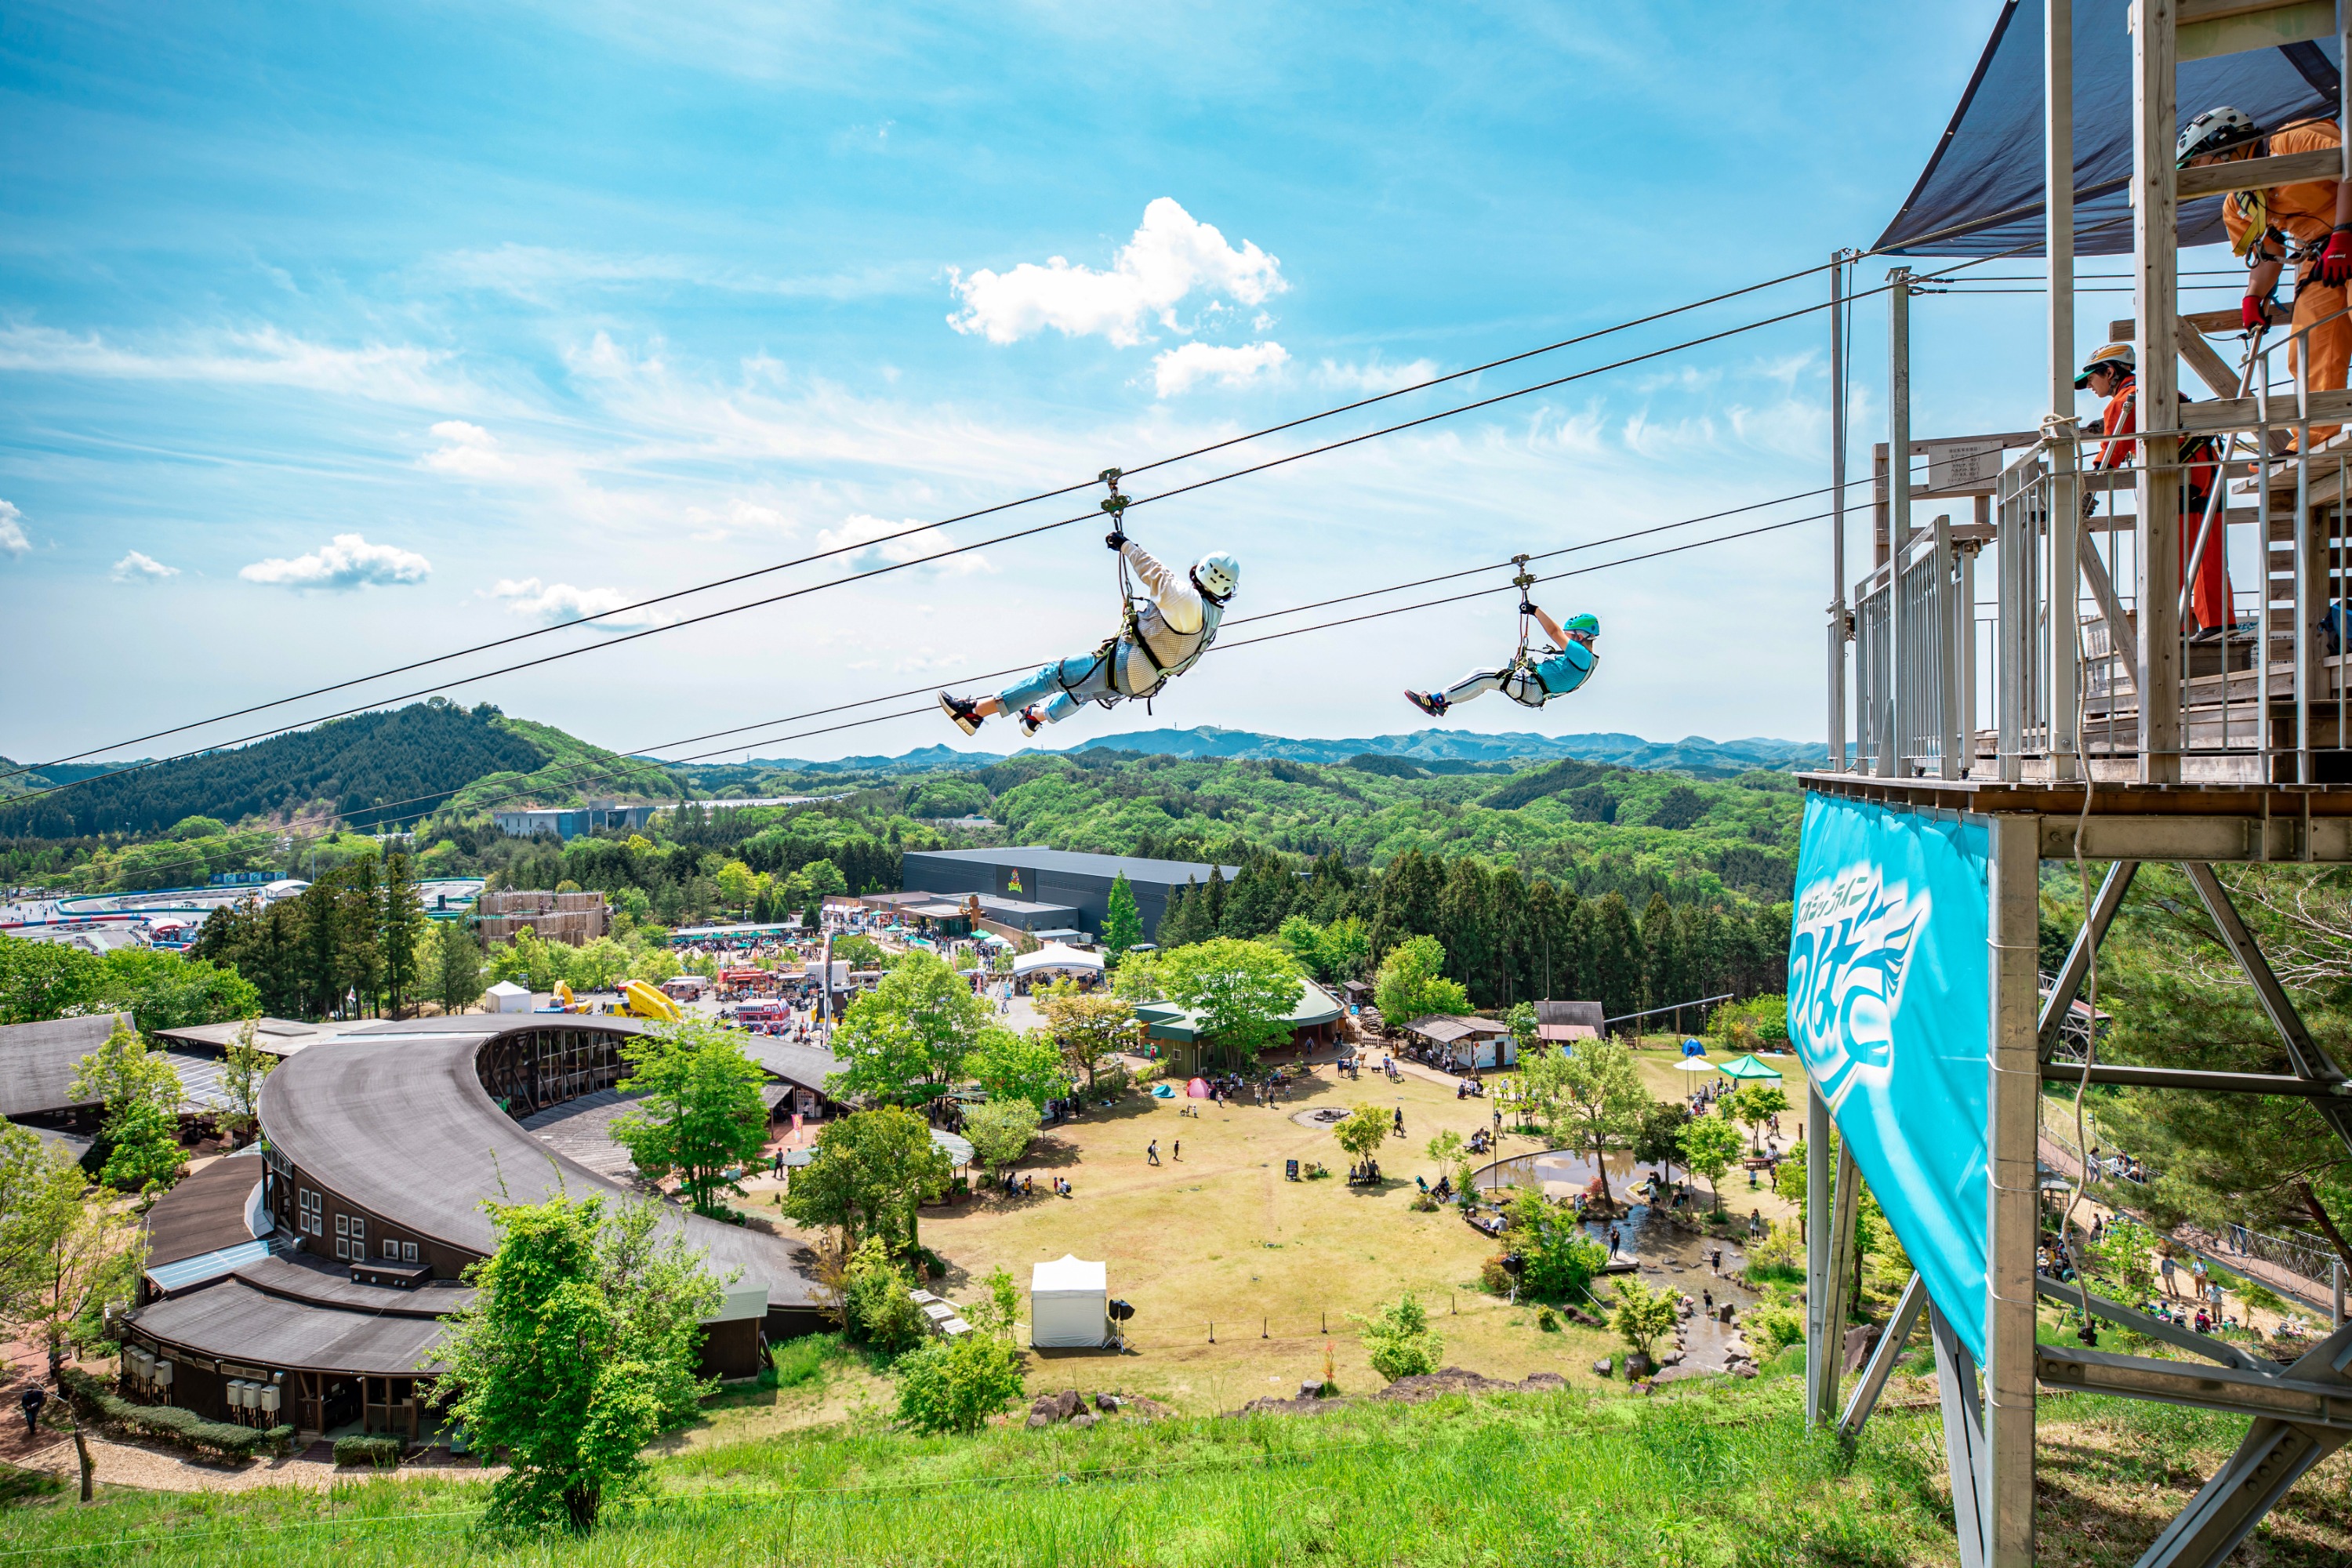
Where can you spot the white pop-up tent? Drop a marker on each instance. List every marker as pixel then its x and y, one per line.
pixel 1056 958
pixel 1070 1301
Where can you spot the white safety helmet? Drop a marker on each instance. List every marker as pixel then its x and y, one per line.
pixel 1218 575
pixel 2215 131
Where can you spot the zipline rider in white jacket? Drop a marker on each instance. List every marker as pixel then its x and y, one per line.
pixel 1163 637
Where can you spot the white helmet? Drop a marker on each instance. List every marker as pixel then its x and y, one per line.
pixel 2215 131
pixel 1218 575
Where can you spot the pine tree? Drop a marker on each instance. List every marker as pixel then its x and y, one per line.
pixel 1662 955
pixel 401 928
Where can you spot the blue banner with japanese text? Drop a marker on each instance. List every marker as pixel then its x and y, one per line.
pixel 1889 1006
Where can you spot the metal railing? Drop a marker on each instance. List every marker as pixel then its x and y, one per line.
pixel 1913 659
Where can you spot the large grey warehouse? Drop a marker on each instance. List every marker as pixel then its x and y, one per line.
pixel 1038 875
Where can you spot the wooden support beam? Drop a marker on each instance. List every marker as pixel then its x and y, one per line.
pixel 2156 286
pixel 2193 11
pixel 2220 413
pixel 2259 174
pixel 2202 357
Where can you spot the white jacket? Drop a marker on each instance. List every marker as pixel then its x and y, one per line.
pixel 1177 623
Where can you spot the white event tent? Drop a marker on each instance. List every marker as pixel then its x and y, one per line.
pixel 1069 1304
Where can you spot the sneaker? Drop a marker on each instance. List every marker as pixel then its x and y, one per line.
pixel 1032 721
pixel 1434 704
pixel 960 709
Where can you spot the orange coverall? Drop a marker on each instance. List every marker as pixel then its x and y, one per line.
pixel 2210 602
pixel 2307 212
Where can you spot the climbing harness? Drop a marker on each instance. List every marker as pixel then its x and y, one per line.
pixel 1130 630
pixel 1520 674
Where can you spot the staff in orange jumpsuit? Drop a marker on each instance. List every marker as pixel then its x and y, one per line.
pixel 2108 374
pixel 2309 223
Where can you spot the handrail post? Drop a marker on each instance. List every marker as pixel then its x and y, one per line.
pixel 2065 509
pixel 1901 677
pixel 1837 513
pixel 2156 286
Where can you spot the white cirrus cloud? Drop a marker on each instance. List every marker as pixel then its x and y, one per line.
pixel 1374 375
pixel 1171 255
pixel 139 566
pixel 556 603
pixel 1185 366
pixel 347 560
pixel 390 372
pixel 926 544
pixel 466 449
pixel 12 529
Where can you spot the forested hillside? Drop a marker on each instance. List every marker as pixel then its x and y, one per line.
pixel 389 767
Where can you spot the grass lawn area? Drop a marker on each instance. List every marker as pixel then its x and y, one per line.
pixel 1703 1475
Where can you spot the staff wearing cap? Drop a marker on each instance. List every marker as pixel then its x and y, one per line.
pixel 2108 373
pixel 2308 223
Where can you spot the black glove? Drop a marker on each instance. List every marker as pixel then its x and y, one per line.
pixel 1115 539
pixel 1527 607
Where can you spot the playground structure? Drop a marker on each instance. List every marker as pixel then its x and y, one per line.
pixel 2079 721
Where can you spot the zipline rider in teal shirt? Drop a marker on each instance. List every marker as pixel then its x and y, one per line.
pixel 1529 681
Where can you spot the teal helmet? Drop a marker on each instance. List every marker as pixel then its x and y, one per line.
pixel 1583 625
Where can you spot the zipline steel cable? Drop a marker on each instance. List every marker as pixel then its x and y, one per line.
pixel 1302 420
pixel 391 808
pixel 928 527
pixel 980 544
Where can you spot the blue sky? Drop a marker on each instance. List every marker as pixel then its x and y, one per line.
pixel 333 337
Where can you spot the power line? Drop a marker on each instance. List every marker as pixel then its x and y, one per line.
pixel 943 522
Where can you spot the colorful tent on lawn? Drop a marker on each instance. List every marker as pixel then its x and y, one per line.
pixel 1747 1067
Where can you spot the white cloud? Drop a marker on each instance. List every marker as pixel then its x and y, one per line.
pixel 923 545
pixel 1170 255
pixel 543 276
pixel 12 529
pixel 1374 376
pixel 556 603
pixel 349 561
pixel 466 449
pixel 1185 366
pixel 383 372
pixel 139 565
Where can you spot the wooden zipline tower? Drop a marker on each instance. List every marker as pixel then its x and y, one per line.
pixel 2091 707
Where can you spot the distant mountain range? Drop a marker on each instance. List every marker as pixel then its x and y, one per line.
pixel 1694 755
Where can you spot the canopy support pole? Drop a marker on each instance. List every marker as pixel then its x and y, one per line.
pixel 2065 509
pixel 2156 284
pixel 1837 629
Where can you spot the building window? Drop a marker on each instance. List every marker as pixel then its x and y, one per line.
pixel 358 1231
pixel 391 1251
pixel 342 1225
pixel 313 1220
pixel 407 1251
pixel 342 1248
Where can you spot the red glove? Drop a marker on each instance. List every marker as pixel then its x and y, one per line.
pixel 2335 261
pixel 2254 313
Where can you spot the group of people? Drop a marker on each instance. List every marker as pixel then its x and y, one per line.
pixel 2123 1167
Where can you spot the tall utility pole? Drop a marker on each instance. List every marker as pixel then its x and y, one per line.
pixel 1837 511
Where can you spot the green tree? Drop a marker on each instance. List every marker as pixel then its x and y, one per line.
pixel 876 1304
pixel 1413 983
pixel 45 980
pixel 1753 1104
pixel 736 882
pixel 907 1038
pixel 455 979
pixel 1242 993
pixel 1524 1033
pixel 1398 1338
pixel 123 1073
pixel 162 990
pixel 1026 1066
pixel 73 1257
pixel 1452 1157
pixel 143 1148
pixel 1363 1130
pixel 242 1073
pixel 1642 1316
pixel 579 1346
pixel 1122 921
pixel 872 1171
pixel 1711 1145
pixel 958 1385
pixel 701 1117
pixel 1659 1143
pixel 1000 1131
pixel 1558 1258
pixel 1601 1101
pixel 402 930
pixel 1087 1026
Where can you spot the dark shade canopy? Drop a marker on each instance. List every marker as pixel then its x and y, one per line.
pixel 1982 193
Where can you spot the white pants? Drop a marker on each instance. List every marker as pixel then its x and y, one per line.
pixel 1517 682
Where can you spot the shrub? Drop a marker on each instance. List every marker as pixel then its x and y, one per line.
pixel 377 1453
pixel 1493 1277
pixel 1780 1255
pixel 1399 1339
pixel 875 1301
pixel 957 1386
pixel 1773 1328
pixel 1642 1315
pixel 1547 1321
pixel 1561 1259
pixel 93 1399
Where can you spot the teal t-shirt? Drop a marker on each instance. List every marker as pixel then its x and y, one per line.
pixel 1564 671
